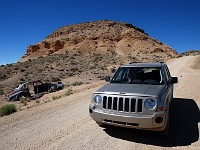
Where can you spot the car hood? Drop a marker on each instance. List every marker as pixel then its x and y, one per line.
pixel 132 89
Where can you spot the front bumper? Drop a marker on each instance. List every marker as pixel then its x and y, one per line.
pixel 155 122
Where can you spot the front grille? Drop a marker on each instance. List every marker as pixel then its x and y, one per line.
pixel 122 104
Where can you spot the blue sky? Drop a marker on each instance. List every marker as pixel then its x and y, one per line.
pixel 26 22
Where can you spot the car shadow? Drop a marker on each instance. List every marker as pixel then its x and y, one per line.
pixel 184 130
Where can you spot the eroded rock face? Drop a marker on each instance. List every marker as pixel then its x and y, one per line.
pixel 57 45
pixel 45 45
pixel 99 36
pixel 32 49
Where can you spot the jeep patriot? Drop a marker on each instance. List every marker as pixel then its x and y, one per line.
pixel 137 96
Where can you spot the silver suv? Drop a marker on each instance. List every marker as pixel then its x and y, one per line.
pixel 138 96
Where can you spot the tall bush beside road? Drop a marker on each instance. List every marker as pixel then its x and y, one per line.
pixel 7 110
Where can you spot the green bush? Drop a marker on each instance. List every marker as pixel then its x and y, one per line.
pixel 7 110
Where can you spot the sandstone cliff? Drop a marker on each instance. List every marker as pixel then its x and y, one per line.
pixel 99 37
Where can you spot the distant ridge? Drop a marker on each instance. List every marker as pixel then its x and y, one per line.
pixel 191 53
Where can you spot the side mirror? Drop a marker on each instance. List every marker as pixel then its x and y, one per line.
pixel 107 79
pixel 174 80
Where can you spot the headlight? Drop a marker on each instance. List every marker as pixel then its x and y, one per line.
pixel 150 104
pixel 97 99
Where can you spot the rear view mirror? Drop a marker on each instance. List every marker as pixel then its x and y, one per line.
pixel 174 80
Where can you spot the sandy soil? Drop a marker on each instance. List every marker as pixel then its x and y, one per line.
pixel 65 123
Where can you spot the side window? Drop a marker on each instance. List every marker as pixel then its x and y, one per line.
pixel 120 74
pixel 167 73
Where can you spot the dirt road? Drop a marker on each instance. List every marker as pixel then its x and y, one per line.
pixel 65 124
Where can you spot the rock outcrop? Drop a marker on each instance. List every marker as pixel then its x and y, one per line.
pixel 99 36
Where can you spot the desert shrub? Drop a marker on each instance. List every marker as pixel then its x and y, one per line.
pixel 16 68
pixel 22 70
pixel 26 75
pixel 40 70
pixel 7 110
pixel 27 66
pixel 5 76
pixel 113 70
pixel 24 100
pixel 113 53
pixel 22 79
pixel 103 68
pixel 70 74
pixel 92 67
pixel 55 79
pixel 69 92
pixel 37 101
pixel 10 65
pixel 1 92
pixel 61 75
pixel 101 77
pixel 56 97
pixel 77 83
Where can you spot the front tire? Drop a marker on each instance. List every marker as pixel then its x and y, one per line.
pixel 166 131
pixel 100 124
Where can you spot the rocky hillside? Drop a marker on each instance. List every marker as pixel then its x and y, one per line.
pixel 99 37
pixel 190 53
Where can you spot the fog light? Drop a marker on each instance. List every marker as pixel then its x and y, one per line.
pixel 159 120
pixel 90 110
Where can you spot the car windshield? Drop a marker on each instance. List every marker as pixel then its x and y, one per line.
pixel 138 75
